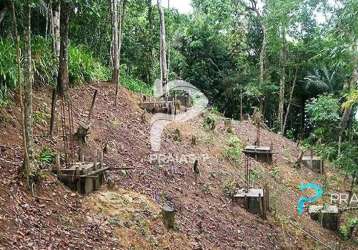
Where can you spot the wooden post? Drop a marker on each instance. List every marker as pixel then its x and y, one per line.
pixel 168 216
pixel 53 112
pixel 80 154
pixel 261 203
pixel 299 160
pixel 264 202
pixel 100 158
pixel 58 164
pixel 267 197
pixel 82 158
pixel 246 202
pixel 92 106
pixel 95 162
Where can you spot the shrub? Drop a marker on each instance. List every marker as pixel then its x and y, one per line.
pixel 324 114
pixel 233 149
pixel 46 156
pixel 210 121
pixel 135 85
pixel 8 69
pixel 40 117
pixel 83 67
pixel 345 231
pixel 44 61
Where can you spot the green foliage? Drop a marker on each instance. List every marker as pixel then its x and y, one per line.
pixel 8 69
pixel 83 67
pixel 40 117
pixel 345 230
pixel 254 175
pixel 352 99
pixel 210 121
pixel 233 149
pixel 327 151
pixel 324 114
pixel 290 134
pixel 324 110
pixel 44 61
pixel 348 158
pixel 46 156
pixel 136 85
pixel 4 98
pixel 275 172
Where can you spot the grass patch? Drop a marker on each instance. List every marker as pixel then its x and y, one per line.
pixel 46 156
pixel 135 85
pixel 84 67
pixel 346 230
pixel 233 149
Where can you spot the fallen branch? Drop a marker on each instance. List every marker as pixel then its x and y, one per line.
pixel 42 198
pixel 114 169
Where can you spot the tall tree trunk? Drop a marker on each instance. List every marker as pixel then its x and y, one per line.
pixel 30 169
pixel 263 56
pixel 149 47
pixel 20 85
pixel 63 78
pixel 252 6
pixel 115 46
pixel 303 110
pixel 53 112
pixel 55 27
pixel 54 31
pixel 163 56
pixel 262 61
pixel 168 46
pixel 353 83
pixel 281 105
pixel 121 12
pixel 290 102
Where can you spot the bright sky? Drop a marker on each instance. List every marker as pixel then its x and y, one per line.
pixel 183 6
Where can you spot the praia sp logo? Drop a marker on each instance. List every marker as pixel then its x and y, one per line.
pixel 338 201
pixel 312 199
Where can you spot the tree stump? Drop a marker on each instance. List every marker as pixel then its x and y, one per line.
pixel 228 125
pixel 168 216
pixel 177 135
pixel 82 133
pixel 193 140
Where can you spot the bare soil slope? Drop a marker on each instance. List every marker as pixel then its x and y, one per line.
pixel 126 215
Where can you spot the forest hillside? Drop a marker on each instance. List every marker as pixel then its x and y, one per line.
pixel 167 124
pixel 125 213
